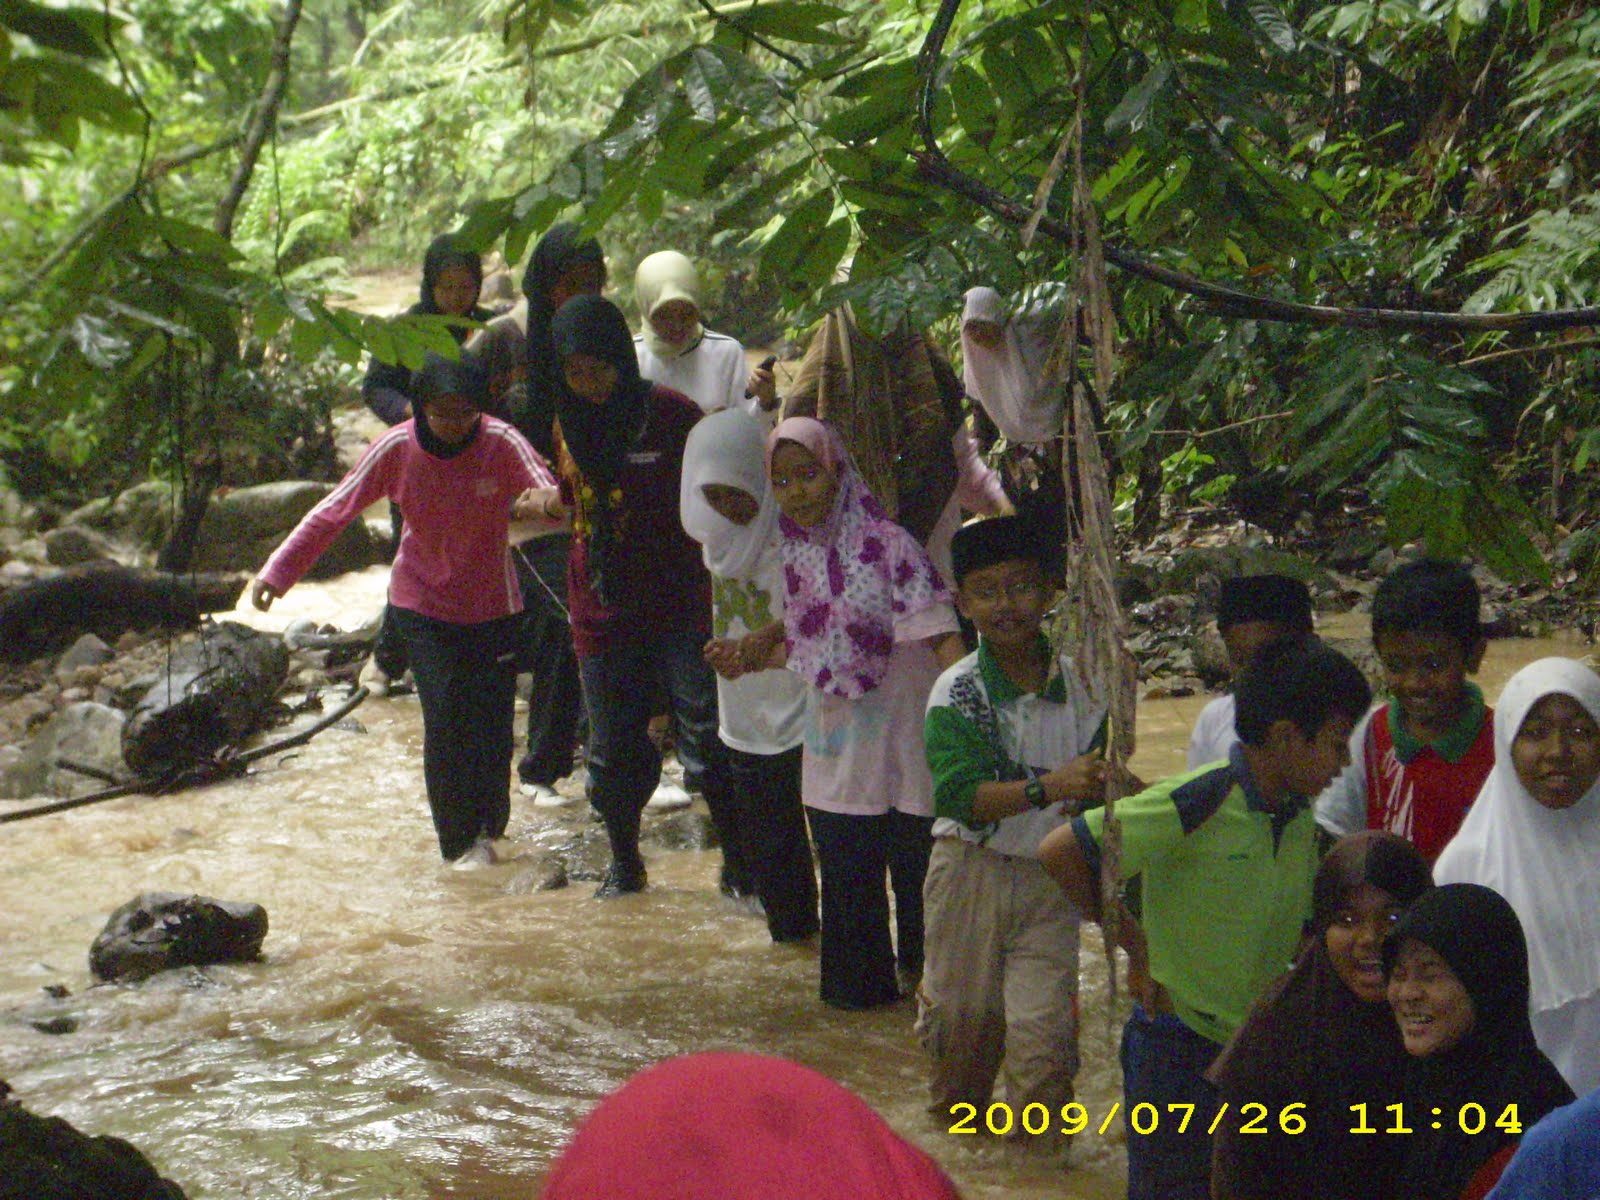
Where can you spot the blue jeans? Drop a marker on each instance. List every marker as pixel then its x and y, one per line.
pixel 1164 1062
pixel 624 765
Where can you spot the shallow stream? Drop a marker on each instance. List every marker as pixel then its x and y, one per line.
pixel 416 1032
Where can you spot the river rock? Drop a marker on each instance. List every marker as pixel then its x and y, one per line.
pixel 586 856
pixel 47 1159
pixel 142 515
pixel 242 528
pixel 83 732
pixel 87 651
pixel 74 544
pixel 546 873
pixel 158 930
pixel 684 829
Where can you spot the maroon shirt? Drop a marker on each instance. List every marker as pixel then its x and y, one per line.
pixel 658 578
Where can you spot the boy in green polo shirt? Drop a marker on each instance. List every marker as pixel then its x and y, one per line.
pixel 1226 856
pixel 1012 737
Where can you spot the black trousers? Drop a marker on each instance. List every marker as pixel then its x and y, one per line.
pixel 619 686
pixel 555 704
pixel 771 852
pixel 858 958
pixel 466 680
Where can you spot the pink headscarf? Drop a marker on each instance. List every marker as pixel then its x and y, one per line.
pixel 729 1126
pixel 850 578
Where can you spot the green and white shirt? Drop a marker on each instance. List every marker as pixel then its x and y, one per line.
pixel 981 728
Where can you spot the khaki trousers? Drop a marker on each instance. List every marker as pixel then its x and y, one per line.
pixel 1000 982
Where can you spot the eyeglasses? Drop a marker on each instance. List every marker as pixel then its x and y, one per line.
pixel 1022 590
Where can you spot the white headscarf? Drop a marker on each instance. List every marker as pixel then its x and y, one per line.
pixel 1010 381
pixel 661 277
pixel 728 447
pixel 1546 862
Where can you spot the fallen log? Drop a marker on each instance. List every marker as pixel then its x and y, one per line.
pixel 46 615
pixel 215 692
pixel 222 766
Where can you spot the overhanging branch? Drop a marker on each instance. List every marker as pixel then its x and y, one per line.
pixel 939 170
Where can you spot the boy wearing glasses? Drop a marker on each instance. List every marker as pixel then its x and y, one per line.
pixel 1011 738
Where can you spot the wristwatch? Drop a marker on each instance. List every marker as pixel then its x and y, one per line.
pixel 1034 791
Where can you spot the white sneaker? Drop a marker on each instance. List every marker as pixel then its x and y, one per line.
pixel 480 855
pixel 545 796
pixel 668 796
pixel 372 678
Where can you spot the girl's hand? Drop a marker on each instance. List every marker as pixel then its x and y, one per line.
pixel 262 594
pixel 723 655
pixel 763 385
pixel 540 504
pixel 763 649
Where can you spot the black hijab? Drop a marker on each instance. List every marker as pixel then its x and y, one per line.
pixel 1476 931
pixel 599 436
pixel 1311 1040
pixel 443 253
pixel 441 377
pixel 559 249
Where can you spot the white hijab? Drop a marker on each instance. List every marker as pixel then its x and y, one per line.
pixel 1545 862
pixel 728 447
pixel 661 277
pixel 1010 381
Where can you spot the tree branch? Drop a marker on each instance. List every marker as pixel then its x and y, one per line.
pixel 260 121
pixel 939 170
pixel 730 20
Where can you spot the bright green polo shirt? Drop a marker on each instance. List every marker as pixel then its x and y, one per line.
pixel 1226 886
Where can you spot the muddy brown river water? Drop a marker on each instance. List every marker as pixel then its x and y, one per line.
pixel 415 1032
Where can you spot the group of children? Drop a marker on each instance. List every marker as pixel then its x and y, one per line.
pixel 810 652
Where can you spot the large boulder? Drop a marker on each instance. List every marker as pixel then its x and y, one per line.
pixel 159 930
pixel 71 545
pixel 244 526
pixel 140 516
pixel 85 733
pixel 45 1158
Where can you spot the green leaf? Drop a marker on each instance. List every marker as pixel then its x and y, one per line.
pixel 754 203
pixel 794 21
pixel 1131 110
pixel 705 82
pixel 69 30
pixel 98 341
pixel 974 102
pixel 1274 25
pixel 802 229
pixel 743 152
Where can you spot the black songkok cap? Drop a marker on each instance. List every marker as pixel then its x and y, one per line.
pixel 1264 598
pixel 995 540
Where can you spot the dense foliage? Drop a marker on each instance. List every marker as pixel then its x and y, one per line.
pixel 1432 154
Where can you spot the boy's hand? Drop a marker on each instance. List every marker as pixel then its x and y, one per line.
pixel 262 594
pixel 1084 778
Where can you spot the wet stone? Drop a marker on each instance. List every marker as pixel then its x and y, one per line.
pixel 546 873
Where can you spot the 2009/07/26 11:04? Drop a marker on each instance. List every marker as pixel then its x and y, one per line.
pixel 1145 1118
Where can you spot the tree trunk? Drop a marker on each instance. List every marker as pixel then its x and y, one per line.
pixel 206 472
pixel 47 615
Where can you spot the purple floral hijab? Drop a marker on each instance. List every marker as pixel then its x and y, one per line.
pixel 849 579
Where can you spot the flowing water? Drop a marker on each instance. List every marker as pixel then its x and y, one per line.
pixel 423 1033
